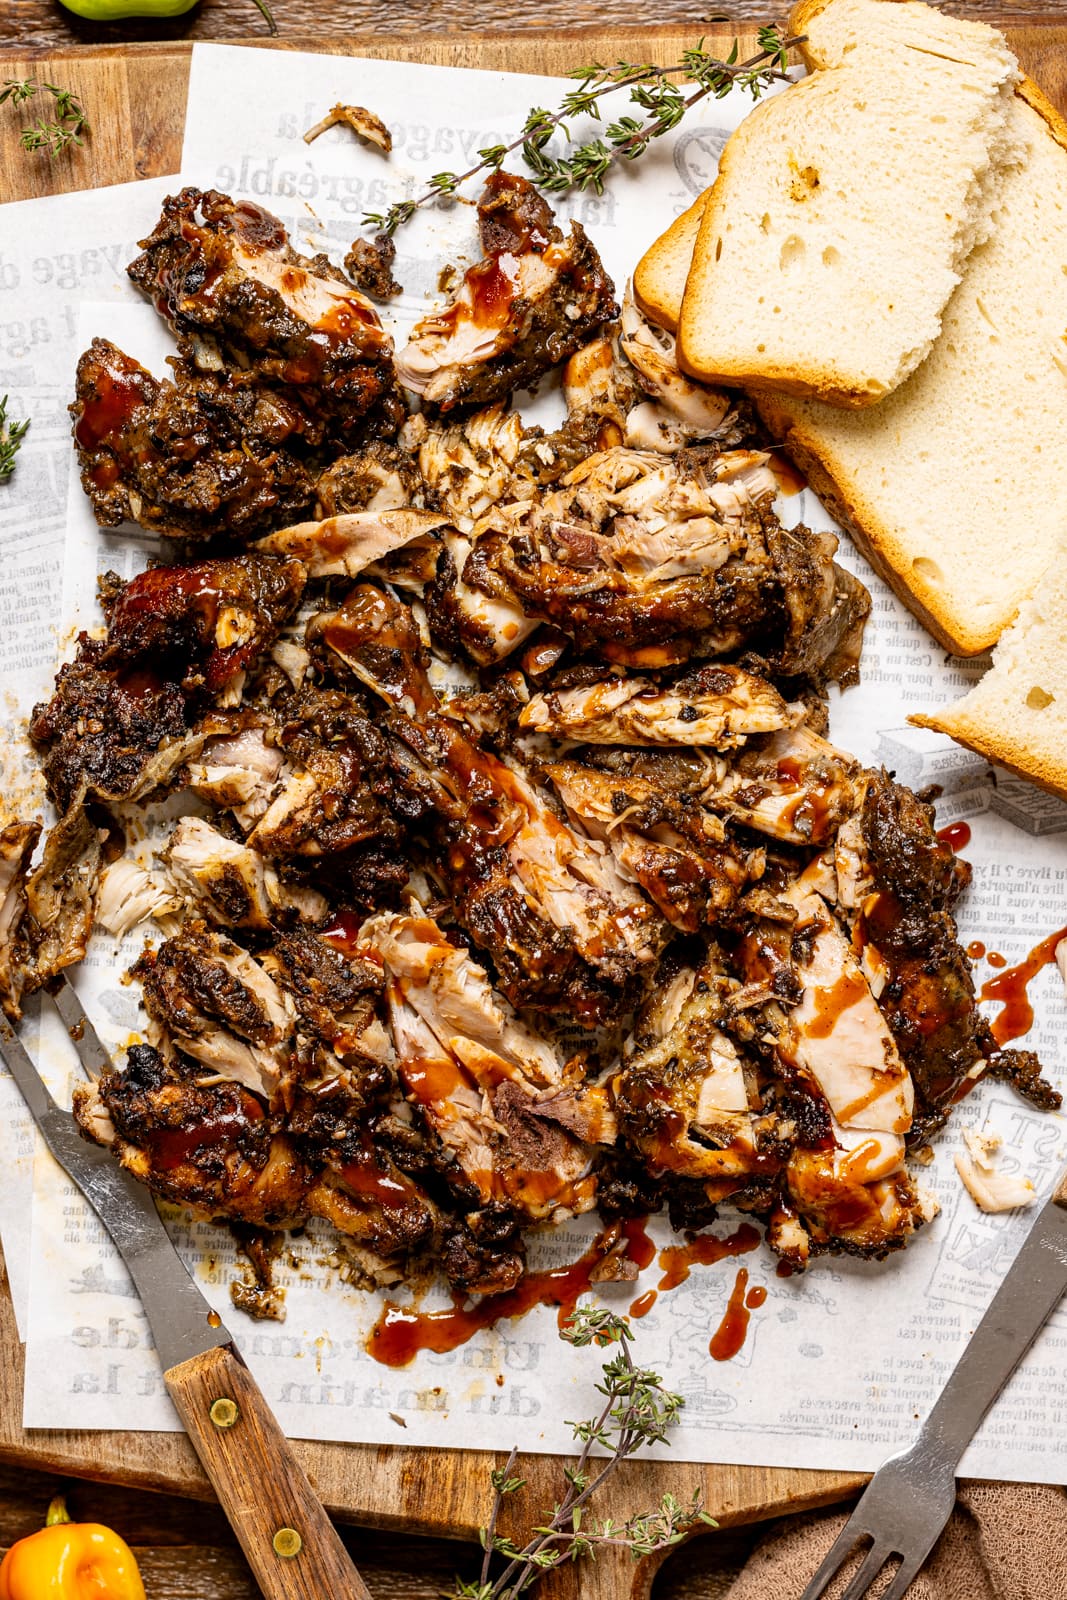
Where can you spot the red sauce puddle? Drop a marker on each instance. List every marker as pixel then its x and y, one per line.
pixel 644 1303
pixel 957 836
pixel 995 959
pixel 1010 987
pixel 976 949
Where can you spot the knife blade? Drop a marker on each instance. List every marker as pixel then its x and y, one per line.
pixel 289 1541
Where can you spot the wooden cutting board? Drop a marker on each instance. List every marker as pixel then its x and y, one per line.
pixel 135 96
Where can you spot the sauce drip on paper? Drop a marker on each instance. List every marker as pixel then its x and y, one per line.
pixel 401 1331
pixel 729 1336
pixel 957 836
pixel 1010 987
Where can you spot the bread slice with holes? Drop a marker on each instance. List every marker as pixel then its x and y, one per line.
pixel 1016 715
pixel 955 486
pixel 845 208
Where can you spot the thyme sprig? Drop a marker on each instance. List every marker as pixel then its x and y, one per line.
pixel 55 135
pixel 11 437
pixel 637 1411
pixel 651 89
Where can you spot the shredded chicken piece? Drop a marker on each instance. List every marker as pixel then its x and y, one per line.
pixel 991 1189
pixel 364 124
pixel 130 894
pixel 719 706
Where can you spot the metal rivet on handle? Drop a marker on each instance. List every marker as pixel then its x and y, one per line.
pixel 287 1543
pixel 224 1413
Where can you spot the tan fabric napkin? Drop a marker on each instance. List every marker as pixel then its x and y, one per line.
pixel 1005 1541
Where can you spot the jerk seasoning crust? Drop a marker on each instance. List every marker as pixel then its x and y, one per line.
pixel 519 874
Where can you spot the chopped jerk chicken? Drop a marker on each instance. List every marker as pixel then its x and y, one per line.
pixel 231 884
pixel 224 273
pixel 717 706
pixel 380 477
pixel 543 890
pixel 214 1147
pixel 207 453
pixel 546 902
pixel 219 1006
pixel 655 560
pixel 476 1074
pixel 532 300
pixel 346 545
pixel 17 844
pixel 130 894
pixel 678 854
pixel 991 1188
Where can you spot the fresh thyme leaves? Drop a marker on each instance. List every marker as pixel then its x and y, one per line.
pixel 650 88
pixel 56 135
pixel 11 437
pixel 637 1411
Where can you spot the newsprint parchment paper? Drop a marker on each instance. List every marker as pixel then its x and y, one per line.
pixel 838 1365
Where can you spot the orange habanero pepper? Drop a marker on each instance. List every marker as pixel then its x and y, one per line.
pixel 70 1561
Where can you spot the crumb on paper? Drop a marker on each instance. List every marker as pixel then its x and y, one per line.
pixel 369 264
pixel 989 1188
pixel 364 124
pixel 401 1422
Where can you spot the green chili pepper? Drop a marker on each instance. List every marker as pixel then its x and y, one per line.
pixel 114 10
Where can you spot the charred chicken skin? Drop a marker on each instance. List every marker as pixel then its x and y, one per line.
pixel 207 453
pixel 519 874
pixel 532 301
pixel 224 272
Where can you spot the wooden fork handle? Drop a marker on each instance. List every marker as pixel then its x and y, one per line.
pixel 291 1545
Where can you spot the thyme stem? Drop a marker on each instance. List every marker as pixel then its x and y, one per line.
pixel 649 87
pixel 637 1410
pixel 54 136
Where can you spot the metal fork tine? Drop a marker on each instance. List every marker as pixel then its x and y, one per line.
pixel 872 1564
pixel 92 1054
pixel 836 1557
pixel 903 1578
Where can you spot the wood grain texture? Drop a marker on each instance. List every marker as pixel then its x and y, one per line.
pixel 43 24
pixel 186 1551
pixel 143 88
pixel 288 1540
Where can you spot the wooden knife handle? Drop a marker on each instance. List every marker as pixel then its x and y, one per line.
pixel 1059 1193
pixel 291 1545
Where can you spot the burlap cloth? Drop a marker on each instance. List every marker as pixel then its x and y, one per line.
pixel 1005 1541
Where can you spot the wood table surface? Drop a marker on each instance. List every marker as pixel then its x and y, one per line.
pixel 43 23
pixel 185 1548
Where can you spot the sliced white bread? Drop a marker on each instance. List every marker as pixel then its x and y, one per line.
pixel 1016 715
pixel 954 485
pixel 845 208
pixel 659 277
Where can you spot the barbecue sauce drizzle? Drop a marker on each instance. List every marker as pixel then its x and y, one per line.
pixel 1010 987
pixel 401 1332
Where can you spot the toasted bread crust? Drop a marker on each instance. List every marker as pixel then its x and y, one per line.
pixel 665 265
pixel 800 19
pixel 812 458
pixel 997 748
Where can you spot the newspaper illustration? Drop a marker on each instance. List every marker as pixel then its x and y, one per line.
pixel 840 1363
